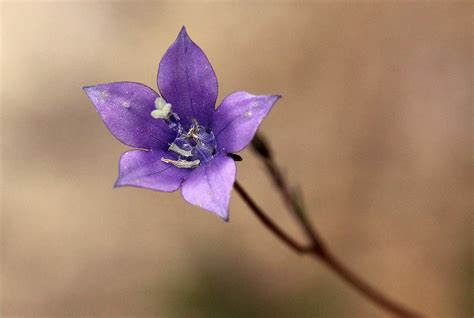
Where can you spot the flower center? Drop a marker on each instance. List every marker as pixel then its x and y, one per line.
pixel 193 146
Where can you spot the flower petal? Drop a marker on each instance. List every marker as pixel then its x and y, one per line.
pixel 209 186
pixel 237 118
pixel 125 108
pixel 144 169
pixel 187 81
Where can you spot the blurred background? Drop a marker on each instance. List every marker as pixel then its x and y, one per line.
pixel 374 125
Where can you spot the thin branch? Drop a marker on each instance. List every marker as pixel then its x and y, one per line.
pixel 275 229
pixel 293 205
pixel 370 292
pixel 327 258
pixel 317 247
pixel 262 148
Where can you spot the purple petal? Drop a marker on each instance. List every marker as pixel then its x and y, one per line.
pixel 125 108
pixel 144 169
pixel 209 186
pixel 237 118
pixel 187 81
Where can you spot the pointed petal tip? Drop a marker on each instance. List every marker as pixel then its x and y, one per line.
pixel 226 218
pixel 275 98
pixel 187 80
pixel 87 89
pixel 183 33
pixel 117 184
pixel 91 90
pixel 223 214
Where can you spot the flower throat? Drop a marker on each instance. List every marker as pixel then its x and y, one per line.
pixel 192 146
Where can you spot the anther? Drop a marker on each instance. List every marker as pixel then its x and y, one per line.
pixel 182 163
pixel 180 151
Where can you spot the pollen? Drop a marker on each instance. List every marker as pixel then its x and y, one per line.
pixel 163 109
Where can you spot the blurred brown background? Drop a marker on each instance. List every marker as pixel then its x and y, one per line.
pixel 375 126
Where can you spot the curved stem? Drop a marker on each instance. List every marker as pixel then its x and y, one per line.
pixel 326 257
pixel 275 229
pixel 376 296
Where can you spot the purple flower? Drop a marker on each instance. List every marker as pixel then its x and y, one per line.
pixel 183 139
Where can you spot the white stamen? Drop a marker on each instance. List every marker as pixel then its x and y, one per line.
pixel 175 148
pixel 182 163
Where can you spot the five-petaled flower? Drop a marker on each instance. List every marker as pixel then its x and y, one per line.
pixel 183 139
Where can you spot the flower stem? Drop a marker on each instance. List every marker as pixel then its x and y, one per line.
pixel 364 288
pixel 317 248
pixel 275 229
pixel 326 258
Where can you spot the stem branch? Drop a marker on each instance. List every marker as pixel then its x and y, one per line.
pixel 317 248
pixel 275 229
pixel 327 258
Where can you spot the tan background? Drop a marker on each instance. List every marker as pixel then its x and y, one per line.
pixel 375 126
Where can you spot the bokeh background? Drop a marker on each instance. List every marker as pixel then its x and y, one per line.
pixel 374 126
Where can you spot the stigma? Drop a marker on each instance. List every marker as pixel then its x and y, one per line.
pixel 163 110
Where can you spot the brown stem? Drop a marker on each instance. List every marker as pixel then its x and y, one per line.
pixel 327 258
pixel 293 205
pixel 376 296
pixel 275 229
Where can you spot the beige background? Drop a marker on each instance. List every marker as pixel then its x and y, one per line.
pixel 375 126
